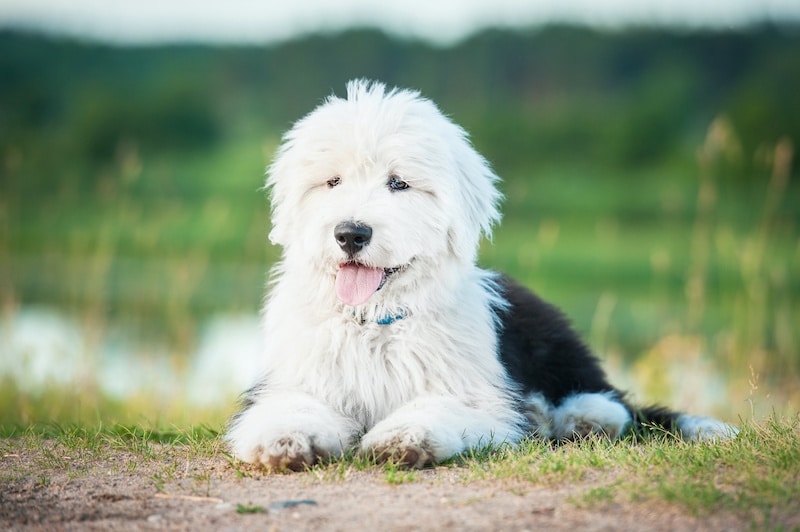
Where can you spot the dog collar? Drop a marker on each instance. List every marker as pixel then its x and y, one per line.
pixel 388 319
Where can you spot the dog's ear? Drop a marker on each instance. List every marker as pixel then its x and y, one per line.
pixel 279 193
pixel 478 199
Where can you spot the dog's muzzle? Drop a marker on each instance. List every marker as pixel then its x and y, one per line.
pixel 356 281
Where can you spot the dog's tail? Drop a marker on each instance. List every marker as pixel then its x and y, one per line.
pixel 658 419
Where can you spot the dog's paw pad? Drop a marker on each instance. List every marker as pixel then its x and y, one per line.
pixel 402 454
pixel 288 453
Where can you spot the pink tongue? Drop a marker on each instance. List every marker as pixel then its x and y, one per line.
pixel 355 284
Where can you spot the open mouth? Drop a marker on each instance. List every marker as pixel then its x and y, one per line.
pixel 356 282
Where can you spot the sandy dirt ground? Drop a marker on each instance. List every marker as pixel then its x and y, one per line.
pixel 45 488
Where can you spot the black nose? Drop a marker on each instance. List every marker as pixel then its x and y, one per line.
pixel 352 237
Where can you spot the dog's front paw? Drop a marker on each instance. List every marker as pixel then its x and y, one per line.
pixel 401 450
pixel 409 445
pixel 289 432
pixel 294 451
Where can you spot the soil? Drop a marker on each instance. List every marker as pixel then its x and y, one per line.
pixel 45 487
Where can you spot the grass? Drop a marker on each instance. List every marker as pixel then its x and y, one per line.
pixel 753 475
pixel 55 450
pixel 84 406
pixel 250 508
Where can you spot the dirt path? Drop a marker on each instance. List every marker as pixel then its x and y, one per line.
pixel 46 489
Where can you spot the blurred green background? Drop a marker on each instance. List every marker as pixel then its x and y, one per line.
pixel 651 190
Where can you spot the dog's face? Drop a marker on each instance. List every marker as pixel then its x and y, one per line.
pixel 371 187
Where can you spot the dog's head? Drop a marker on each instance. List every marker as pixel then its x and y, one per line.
pixel 369 186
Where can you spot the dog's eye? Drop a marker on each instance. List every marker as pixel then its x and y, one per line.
pixel 335 180
pixel 395 183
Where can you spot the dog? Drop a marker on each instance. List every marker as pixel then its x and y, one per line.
pixel 383 336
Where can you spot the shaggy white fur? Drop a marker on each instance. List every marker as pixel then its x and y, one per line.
pixel 333 371
pixel 380 201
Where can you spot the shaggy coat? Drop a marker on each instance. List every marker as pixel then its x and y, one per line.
pixel 382 334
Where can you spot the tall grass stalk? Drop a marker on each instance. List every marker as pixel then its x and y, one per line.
pixel 759 333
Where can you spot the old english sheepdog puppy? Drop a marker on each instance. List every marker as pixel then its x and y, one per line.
pixel 382 334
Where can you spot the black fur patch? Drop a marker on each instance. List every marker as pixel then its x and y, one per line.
pixel 543 354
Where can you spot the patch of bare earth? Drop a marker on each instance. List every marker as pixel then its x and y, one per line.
pixel 47 487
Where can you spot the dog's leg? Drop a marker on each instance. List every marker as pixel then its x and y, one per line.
pixel 289 431
pixel 431 429
pixel 583 414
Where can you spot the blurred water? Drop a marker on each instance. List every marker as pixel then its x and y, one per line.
pixel 42 347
